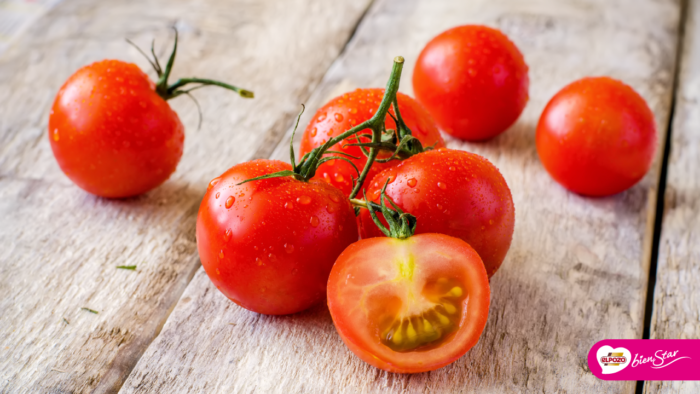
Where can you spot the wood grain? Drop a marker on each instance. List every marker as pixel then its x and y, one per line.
pixel 677 293
pixel 61 246
pixel 576 272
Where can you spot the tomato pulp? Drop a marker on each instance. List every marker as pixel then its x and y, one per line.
pixel 343 113
pixel 451 192
pixel 473 80
pixel 409 305
pixel 269 245
pixel 597 137
pixel 111 133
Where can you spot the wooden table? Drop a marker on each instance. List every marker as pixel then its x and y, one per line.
pixel 579 269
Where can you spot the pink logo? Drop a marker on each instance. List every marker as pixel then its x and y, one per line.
pixel 645 359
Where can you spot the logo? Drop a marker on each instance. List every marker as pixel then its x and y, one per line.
pixel 645 359
pixel 613 360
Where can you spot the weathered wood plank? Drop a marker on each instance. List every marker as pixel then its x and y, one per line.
pixel 576 272
pixel 61 246
pixel 676 313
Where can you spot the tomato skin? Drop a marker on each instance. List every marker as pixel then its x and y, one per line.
pixel 597 137
pixel 451 192
pixel 111 133
pixel 270 249
pixel 371 261
pixel 473 80
pixel 343 113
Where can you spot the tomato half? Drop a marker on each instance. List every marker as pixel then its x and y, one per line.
pixel 269 245
pixel 473 80
pixel 111 133
pixel 410 305
pixel 343 113
pixel 451 192
pixel 597 137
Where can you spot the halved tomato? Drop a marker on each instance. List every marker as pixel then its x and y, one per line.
pixel 409 305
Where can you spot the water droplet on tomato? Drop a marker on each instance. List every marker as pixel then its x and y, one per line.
pixel 272 257
pixel 314 131
pixel 314 221
pixel 353 111
pixel 230 201
pixel 439 206
pixel 412 182
pixel 339 177
pixel 227 235
pixel 338 117
pixel 218 272
pixel 289 248
pixel 55 134
pixel 330 208
pixel 213 183
pixel 221 254
pixel 321 117
pixel 304 200
pixel 451 168
pixel 335 198
pixel 471 72
pixel 289 205
pixel 442 186
pixel 258 262
pixel 217 195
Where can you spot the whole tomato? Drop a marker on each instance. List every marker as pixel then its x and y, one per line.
pixel 451 192
pixel 597 137
pixel 111 133
pixel 473 80
pixel 409 305
pixel 343 113
pixel 269 245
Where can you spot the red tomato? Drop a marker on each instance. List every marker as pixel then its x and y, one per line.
pixel 410 305
pixel 111 133
pixel 269 245
pixel 346 111
pixel 473 80
pixel 597 137
pixel 451 192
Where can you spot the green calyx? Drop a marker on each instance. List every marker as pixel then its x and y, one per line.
pixel 401 224
pixel 176 89
pixel 381 139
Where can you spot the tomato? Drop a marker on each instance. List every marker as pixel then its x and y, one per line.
pixel 111 133
pixel 473 80
pixel 410 305
pixel 269 245
pixel 451 192
pixel 343 113
pixel 597 137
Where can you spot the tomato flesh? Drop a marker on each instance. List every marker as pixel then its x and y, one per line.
pixel 269 245
pixel 343 113
pixel 410 305
pixel 451 192
pixel 597 137
pixel 111 133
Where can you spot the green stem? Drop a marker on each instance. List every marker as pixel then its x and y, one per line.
pixel 173 91
pixel 168 92
pixel 375 123
pixel 306 169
